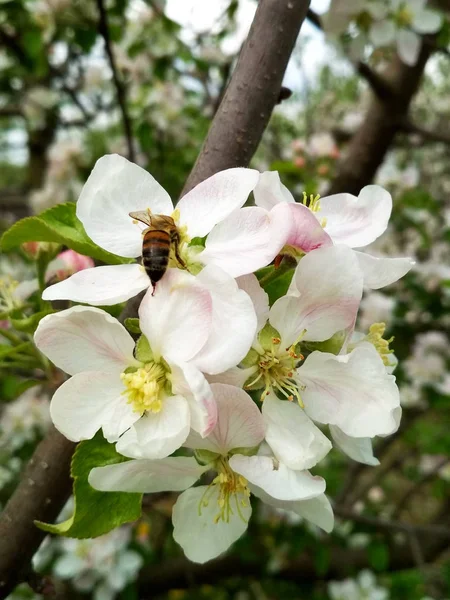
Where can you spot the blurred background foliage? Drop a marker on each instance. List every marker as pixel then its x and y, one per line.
pixel 75 85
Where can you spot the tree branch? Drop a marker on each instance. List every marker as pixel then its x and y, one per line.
pixel 260 69
pixel 427 135
pixel 253 91
pixel 120 88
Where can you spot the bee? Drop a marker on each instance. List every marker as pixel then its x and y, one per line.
pixel 159 237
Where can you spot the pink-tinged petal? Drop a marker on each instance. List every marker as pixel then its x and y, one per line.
pixel 156 435
pixel 189 382
pixel 248 239
pixel 250 284
pixel 177 319
pixel 194 523
pixel 270 191
pixel 233 325
pixel 100 286
pixel 173 474
pixel 353 221
pixel 276 479
pixel 81 406
pixel 215 198
pixel 239 422
pixel 329 284
pixel 306 233
pixel 115 188
pixel 318 510
pixel 359 449
pixel 352 391
pixel 82 338
pixel 293 437
pixel 380 272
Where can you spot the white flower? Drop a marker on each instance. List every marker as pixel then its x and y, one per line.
pixel 403 24
pixel 248 239
pixel 338 219
pixel 352 392
pixel 364 587
pixel 375 308
pixel 208 519
pixel 24 419
pixel 150 403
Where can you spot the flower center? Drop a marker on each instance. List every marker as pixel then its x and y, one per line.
pixel 230 485
pixel 8 299
pixel 145 386
pixel 375 337
pixel 313 203
pixel 404 17
pixel 277 372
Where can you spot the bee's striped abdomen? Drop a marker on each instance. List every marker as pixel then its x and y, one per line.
pixel 155 254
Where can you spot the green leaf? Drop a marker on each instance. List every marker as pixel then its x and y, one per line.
pixel 11 387
pixel 143 351
pixel 29 324
pixel 95 512
pixel 57 224
pixel 378 553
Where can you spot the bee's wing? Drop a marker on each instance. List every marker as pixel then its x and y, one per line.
pixel 141 215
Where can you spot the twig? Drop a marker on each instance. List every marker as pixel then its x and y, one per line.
pixel 253 90
pixel 428 135
pixel 120 88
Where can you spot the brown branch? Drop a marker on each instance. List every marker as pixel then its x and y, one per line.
pixel 120 88
pixel 19 538
pixel 41 493
pixel 370 144
pixel 253 91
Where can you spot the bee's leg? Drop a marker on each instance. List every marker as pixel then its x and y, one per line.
pixel 175 239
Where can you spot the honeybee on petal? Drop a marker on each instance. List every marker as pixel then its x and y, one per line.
pixel 159 237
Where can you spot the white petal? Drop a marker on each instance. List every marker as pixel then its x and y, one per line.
pixel 156 435
pixel 408 46
pixel 239 422
pixel 380 272
pixel 306 233
pixel 177 319
pixel 235 376
pixel 115 188
pixel 248 239
pixel 329 282
pixel 190 383
pixel 353 392
pixel 194 526
pixel 173 474
pixel 214 199
pixel 100 286
pixel 317 510
pixel 270 191
pixel 353 221
pixel 82 338
pixel 276 479
pixel 427 21
pixel 233 325
pixel 382 33
pixel 360 449
pixel 250 284
pixel 81 406
pixel 293 437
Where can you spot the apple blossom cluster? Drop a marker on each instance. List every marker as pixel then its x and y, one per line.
pixel 245 367
pixel 384 23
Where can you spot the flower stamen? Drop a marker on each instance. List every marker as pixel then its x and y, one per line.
pixel 144 387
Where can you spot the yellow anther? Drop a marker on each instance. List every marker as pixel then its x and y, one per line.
pixel 144 387
pixel 404 16
pixel 230 485
pixel 313 202
pixel 375 337
pixel 276 341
